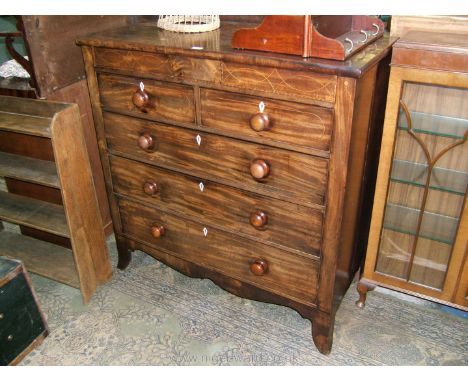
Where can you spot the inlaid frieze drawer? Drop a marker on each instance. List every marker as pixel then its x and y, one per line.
pixel 269 121
pixel 160 100
pixel 262 169
pixel 284 273
pixel 158 65
pixel 261 217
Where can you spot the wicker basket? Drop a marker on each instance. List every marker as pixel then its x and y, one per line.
pixel 189 23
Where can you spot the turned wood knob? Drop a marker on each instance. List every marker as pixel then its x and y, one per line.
pixel 157 231
pixel 150 187
pixel 146 141
pixel 141 99
pixel 259 169
pixel 259 267
pixel 258 219
pixel 260 122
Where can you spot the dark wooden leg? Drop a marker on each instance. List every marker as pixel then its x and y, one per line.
pixel 124 252
pixel 362 289
pixel 322 331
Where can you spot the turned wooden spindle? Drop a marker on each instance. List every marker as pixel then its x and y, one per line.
pixel 150 187
pixel 259 169
pixel 259 267
pixel 258 219
pixel 157 231
pixel 260 122
pixel 146 141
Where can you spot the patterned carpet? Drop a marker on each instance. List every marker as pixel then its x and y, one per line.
pixel 150 314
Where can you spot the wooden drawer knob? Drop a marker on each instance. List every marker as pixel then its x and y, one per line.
pixel 157 231
pixel 259 169
pixel 258 219
pixel 259 267
pixel 141 99
pixel 150 187
pixel 260 122
pixel 146 141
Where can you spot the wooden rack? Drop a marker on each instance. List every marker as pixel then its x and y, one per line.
pixel 86 265
pixel 331 37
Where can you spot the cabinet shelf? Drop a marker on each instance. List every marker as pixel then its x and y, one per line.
pixel 442 179
pixel 434 124
pixel 45 259
pixel 29 169
pixel 25 124
pixel 33 213
pixel 434 227
pixel 86 265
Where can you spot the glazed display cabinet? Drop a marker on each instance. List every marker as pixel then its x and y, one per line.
pixel 419 228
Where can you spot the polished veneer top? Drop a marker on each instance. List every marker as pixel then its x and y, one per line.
pixel 148 37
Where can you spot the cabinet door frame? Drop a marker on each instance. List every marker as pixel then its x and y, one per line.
pixel 455 288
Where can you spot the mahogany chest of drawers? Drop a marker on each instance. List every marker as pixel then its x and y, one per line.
pixel 251 169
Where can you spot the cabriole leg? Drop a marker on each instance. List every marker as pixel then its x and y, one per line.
pixel 362 289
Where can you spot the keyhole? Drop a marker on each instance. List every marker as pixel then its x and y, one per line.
pixel 198 139
pixel 201 186
pixel 205 231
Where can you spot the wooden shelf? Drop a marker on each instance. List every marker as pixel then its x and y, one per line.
pixel 442 179
pixel 45 259
pixel 29 169
pixel 25 124
pixel 33 213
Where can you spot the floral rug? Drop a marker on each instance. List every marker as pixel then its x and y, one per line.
pixel 150 314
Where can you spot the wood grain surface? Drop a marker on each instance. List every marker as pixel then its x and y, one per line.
pixel 289 275
pixel 295 177
pixel 289 225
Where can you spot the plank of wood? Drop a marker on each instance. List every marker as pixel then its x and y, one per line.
pixel 33 213
pixel 29 169
pixel 45 259
pixel 25 124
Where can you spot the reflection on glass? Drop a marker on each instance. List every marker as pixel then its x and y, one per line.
pixel 428 184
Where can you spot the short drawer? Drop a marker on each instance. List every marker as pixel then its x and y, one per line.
pixel 284 273
pixel 160 100
pixel 261 217
pixel 266 120
pixel 262 169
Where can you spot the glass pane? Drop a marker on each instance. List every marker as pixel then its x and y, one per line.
pixel 428 184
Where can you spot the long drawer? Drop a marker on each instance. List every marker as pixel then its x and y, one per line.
pixel 268 219
pixel 290 176
pixel 266 120
pixel 286 274
pixel 166 101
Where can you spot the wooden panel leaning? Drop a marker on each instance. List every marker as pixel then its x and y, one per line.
pixel 86 265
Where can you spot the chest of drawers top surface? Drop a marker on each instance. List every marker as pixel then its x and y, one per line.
pixel 147 37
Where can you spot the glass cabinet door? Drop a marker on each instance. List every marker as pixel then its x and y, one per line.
pixel 427 186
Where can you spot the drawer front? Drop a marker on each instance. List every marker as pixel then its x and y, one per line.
pixel 269 80
pixel 277 122
pixel 158 65
pixel 269 219
pixel 166 101
pixel 291 176
pixel 289 275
